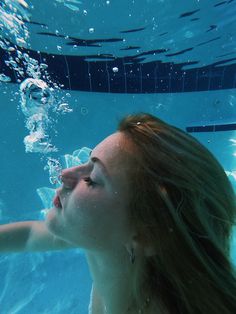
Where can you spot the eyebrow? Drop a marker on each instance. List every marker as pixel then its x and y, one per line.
pixel 97 160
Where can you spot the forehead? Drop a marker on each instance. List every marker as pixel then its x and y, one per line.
pixel 115 153
pixel 112 150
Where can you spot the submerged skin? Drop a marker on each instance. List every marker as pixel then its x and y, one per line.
pixel 95 218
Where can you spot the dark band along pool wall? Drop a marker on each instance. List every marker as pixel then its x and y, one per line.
pixel 129 75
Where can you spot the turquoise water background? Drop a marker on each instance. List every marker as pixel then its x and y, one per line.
pixel 59 282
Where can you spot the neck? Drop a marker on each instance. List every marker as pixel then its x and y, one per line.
pixel 112 275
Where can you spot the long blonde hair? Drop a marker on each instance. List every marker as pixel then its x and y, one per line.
pixel 184 205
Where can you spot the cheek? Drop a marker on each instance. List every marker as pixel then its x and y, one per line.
pixel 82 199
pixel 95 212
pixel 87 220
pixel 84 206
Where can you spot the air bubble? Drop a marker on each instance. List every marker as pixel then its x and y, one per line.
pixel 84 111
pixel 43 66
pixel 55 169
pixel 36 100
pixel 64 108
pixel 115 69
pixel 21 42
pixel 11 49
pixel 4 78
pixel 2 45
pixel 188 34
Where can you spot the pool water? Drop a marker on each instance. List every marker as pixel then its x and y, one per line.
pixel 100 60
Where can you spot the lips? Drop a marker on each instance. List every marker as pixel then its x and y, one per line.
pixel 57 202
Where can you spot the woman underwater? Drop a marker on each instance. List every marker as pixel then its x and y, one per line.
pixel 153 211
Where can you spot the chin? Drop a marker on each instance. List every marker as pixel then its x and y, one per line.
pixel 52 221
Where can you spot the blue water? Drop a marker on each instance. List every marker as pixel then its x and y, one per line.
pixel 59 282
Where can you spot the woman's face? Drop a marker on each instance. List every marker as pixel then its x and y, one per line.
pixel 94 198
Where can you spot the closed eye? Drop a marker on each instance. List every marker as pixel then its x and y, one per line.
pixel 90 182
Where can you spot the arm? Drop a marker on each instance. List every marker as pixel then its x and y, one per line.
pixel 28 236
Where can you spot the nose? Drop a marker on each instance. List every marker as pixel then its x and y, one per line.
pixel 70 177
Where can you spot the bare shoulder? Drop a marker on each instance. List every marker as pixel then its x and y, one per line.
pixel 41 239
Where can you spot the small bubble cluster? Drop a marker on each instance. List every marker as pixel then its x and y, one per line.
pixel 12 17
pixel 54 167
pixel 36 100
